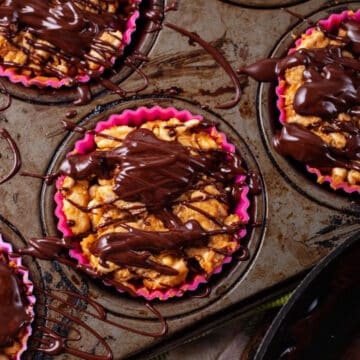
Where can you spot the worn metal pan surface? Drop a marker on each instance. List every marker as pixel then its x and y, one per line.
pixel 299 221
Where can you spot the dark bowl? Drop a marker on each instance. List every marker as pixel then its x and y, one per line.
pixel 322 318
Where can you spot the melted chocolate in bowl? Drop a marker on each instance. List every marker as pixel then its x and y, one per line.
pixel 220 283
pixel 322 319
pixel 293 171
pixel 143 39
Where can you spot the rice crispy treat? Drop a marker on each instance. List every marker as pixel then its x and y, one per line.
pixel 340 129
pixel 110 224
pixel 56 43
pixel 16 304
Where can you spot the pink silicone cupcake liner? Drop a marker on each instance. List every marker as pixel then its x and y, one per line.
pixel 54 82
pixel 136 118
pixel 27 283
pixel 331 23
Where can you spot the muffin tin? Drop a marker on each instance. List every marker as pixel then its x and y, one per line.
pixel 299 221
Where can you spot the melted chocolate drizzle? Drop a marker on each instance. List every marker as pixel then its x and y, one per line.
pixel 219 58
pixel 331 87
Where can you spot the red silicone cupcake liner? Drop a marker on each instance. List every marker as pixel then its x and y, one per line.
pixel 28 285
pixel 136 118
pixel 331 23
pixel 54 82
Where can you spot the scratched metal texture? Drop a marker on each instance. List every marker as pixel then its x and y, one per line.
pixel 300 221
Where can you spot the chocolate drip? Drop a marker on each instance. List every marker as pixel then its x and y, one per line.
pixel 255 183
pixel 48 248
pixel 71 114
pixel 264 70
pixel 17 159
pixel 84 95
pixel 296 141
pixel 52 248
pixel 353 34
pixel 202 292
pixel 12 307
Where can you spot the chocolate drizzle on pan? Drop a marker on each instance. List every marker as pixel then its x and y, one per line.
pixel 74 308
pixel 331 87
pixel 16 154
pixel 219 58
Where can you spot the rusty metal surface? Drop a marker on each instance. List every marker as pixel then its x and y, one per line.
pixel 301 221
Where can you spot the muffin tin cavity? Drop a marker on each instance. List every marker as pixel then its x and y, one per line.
pixel 220 283
pixel 268 117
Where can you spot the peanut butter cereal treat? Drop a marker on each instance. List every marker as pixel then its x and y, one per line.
pixel 60 43
pixel 154 202
pixel 16 304
pixel 319 100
